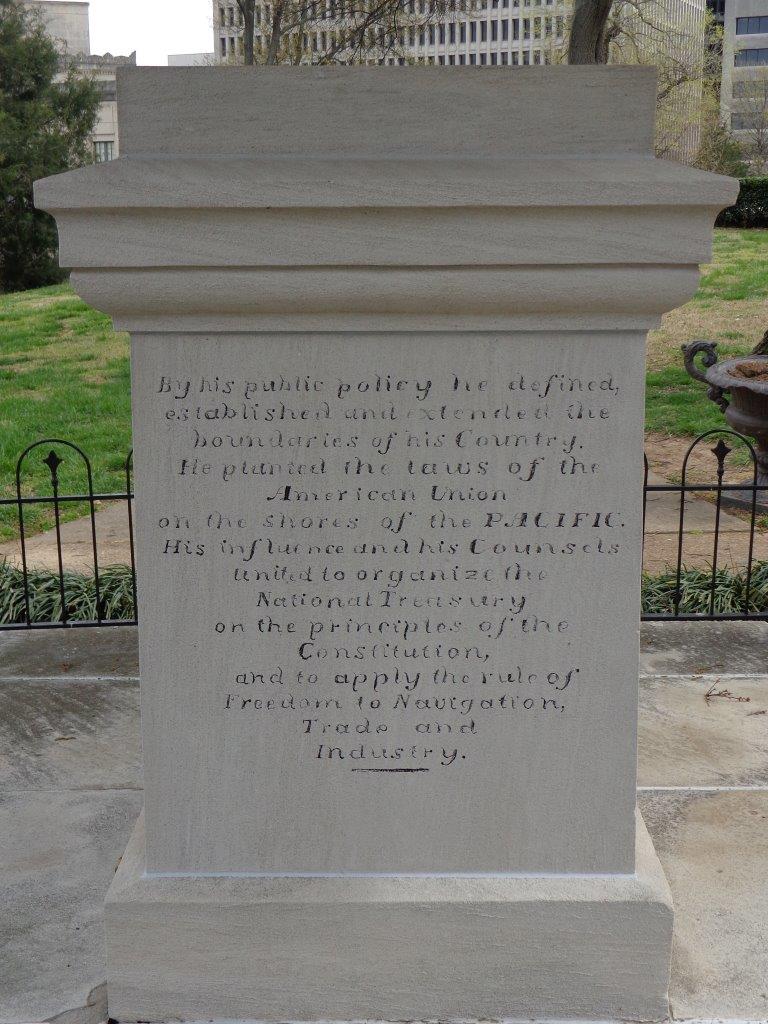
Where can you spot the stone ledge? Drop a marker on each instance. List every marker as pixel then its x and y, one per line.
pixel 339 948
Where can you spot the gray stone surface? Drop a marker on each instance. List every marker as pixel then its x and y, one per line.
pixel 111 652
pixel 703 732
pixel 66 735
pixel 70 780
pixel 58 852
pixel 704 648
pixel 58 848
pixel 714 850
pixel 587 947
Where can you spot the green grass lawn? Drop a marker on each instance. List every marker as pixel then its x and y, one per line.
pixel 731 308
pixel 64 373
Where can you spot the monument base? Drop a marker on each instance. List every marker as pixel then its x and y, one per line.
pixel 399 947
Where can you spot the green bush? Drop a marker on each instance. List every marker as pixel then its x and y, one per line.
pixel 751 209
pixel 658 592
pixel 115 589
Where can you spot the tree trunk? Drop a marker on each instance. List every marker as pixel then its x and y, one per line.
pixel 273 48
pixel 248 11
pixel 589 36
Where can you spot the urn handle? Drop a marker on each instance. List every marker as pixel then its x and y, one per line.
pixel 708 352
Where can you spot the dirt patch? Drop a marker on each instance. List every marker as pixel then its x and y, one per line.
pixel 754 370
pixel 739 323
pixel 666 456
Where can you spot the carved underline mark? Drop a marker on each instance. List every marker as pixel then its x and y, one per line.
pixel 389 769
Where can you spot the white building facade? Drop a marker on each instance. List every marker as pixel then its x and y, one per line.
pixel 67 23
pixel 744 93
pixel 503 32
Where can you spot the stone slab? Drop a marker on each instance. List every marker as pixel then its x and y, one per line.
pixel 108 653
pixel 714 850
pixel 345 947
pixel 58 852
pixel 703 732
pixel 704 648
pixel 351 603
pixel 66 735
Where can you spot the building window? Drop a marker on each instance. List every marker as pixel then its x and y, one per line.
pixel 472 59
pixel 740 122
pixel 515 29
pixel 505 30
pixel 751 26
pixel 451 59
pixel 526 58
pixel 483 31
pixel 494 58
pixel 473 31
pixel 505 58
pixel 463 32
pixel 442 33
pixel 103 151
pixel 494 31
pixel 755 87
pixel 452 32
pixel 515 59
pixel 462 59
pixel 483 58
pixel 751 58
pixel 223 45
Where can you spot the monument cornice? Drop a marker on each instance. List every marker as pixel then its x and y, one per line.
pixel 488 239
pixel 397 298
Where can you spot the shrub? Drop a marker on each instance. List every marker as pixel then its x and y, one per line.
pixel 751 208
pixel 658 592
pixel 45 604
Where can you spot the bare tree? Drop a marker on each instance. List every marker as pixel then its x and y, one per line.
pixel 750 119
pixel 337 31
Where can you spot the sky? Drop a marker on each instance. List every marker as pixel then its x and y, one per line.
pixel 154 28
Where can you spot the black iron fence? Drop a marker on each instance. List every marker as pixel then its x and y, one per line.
pixel 698 580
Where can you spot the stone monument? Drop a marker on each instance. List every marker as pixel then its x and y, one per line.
pixel 388 331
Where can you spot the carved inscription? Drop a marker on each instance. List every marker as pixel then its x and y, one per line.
pixel 393 551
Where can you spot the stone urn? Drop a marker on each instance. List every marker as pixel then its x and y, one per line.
pixel 739 386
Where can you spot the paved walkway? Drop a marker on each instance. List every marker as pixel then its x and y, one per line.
pixel 71 782
pixel 662 523
pixel 662 520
